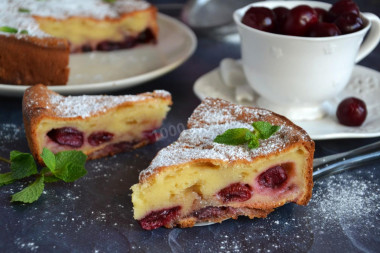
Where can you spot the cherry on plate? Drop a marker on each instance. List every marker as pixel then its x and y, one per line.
pixel 299 20
pixel 260 18
pixel 351 112
pixel 324 30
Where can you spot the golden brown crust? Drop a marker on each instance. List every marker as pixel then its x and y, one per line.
pixel 36 106
pixel 30 60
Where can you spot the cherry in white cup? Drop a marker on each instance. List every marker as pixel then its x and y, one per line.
pixel 294 75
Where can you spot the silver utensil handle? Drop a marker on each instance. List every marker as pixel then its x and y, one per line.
pixel 347 160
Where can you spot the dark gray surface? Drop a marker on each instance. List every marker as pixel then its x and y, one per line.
pixel 94 214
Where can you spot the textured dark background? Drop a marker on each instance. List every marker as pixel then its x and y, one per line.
pixel 94 214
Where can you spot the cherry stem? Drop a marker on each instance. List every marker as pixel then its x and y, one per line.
pixel 5 160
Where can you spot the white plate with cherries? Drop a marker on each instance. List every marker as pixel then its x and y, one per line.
pixel 228 82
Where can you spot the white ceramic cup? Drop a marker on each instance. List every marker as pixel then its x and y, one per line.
pixel 294 75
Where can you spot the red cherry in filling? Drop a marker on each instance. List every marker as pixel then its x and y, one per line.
pixel 342 7
pixel 273 177
pixel 299 20
pixel 235 192
pixel 159 218
pixel 146 36
pixel 66 136
pixel 349 23
pixel 351 112
pixel 281 14
pixel 260 18
pixel 324 30
pixel 98 138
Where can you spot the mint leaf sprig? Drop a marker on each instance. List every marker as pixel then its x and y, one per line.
pixel 67 166
pixel 239 136
pixel 9 29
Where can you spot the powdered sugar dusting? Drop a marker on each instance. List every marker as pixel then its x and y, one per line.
pixel 214 117
pixel 39 99
pixel 346 198
pixel 10 14
pixel 85 106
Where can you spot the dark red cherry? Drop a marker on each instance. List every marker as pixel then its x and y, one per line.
pixel 66 136
pixel 235 192
pixel 349 23
pixel 351 112
pixel 281 14
pixel 260 18
pixel 322 13
pixel 342 7
pixel 159 218
pixel 98 138
pixel 299 20
pixel 146 36
pixel 324 30
pixel 273 177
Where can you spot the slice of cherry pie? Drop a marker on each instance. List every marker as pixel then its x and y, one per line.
pixel 97 125
pixel 198 180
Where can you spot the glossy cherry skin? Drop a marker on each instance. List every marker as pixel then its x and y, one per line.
pixel 281 14
pixel 349 23
pixel 299 20
pixel 322 13
pixel 342 7
pixel 324 30
pixel 260 18
pixel 352 112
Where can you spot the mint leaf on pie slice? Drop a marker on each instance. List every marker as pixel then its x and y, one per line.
pixel 22 165
pixel 238 136
pixel 8 29
pixel 234 136
pixel 265 129
pixel 23 10
pixel 253 143
pixel 31 193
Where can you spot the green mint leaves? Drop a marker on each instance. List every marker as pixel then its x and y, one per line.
pixel 67 166
pixel 8 29
pixel 31 193
pixel 265 129
pixel 239 136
